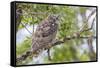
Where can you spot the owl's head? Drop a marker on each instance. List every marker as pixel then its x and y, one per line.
pixel 53 18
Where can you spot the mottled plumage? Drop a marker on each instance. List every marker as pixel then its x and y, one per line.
pixel 45 33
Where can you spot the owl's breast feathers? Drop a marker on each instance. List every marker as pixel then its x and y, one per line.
pixel 45 34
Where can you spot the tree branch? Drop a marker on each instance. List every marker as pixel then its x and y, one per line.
pixel 70 38
pixel 30 53
pixel 91 14
pixel 91 50
pixel 88 28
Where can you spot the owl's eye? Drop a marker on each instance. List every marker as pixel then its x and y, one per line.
pixel 53 24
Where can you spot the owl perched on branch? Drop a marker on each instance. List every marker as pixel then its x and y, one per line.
pixel 43 37
pixel 45 34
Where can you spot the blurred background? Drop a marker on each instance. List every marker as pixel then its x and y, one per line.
pixel 73 19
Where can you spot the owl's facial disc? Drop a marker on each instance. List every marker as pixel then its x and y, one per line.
pixel 54 18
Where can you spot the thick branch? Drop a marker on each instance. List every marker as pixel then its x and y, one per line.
pixel 23 56
pixel 70 38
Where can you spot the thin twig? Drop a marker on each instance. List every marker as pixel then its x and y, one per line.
pixel 88 28
pixel 26 28
pixel 91 14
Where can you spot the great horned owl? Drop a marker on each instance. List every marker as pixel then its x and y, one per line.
pixel 45 33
